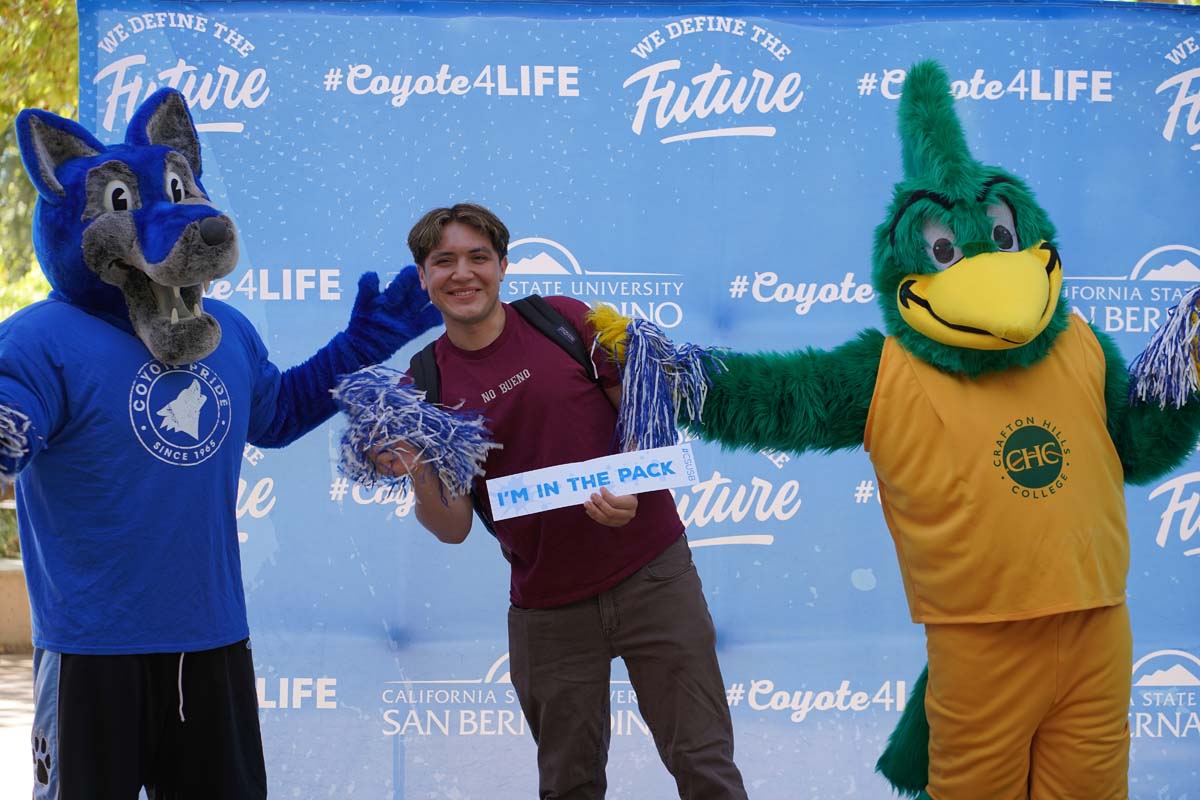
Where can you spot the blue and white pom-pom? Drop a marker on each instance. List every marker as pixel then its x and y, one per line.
pixel 659 380
pixel 384 408
pixel 1166 370
pixel 14 442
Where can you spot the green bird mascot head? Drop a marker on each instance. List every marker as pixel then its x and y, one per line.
pixel 965 263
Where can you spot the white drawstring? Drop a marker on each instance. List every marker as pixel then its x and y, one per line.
pixel 181 717
pixel 595 373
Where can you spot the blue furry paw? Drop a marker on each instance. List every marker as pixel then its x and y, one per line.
pixel 383 322
pixel 384 409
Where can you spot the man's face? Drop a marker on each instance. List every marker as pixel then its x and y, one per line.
pixel 462 275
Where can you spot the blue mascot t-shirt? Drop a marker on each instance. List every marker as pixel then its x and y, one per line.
pixel 127 515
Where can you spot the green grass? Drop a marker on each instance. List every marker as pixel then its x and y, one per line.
pixel 9 546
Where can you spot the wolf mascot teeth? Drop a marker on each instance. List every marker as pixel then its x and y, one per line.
pixel 1002 429
pixel 126 399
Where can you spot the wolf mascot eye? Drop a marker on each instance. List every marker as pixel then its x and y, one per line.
pixel 117 196
pixel 174 187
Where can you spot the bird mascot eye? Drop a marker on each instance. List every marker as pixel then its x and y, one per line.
pixel 1004 227
pixel 939 243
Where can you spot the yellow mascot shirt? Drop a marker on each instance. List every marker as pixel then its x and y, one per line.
pixel 1003 493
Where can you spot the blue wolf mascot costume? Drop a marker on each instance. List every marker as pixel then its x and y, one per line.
pixel 126 400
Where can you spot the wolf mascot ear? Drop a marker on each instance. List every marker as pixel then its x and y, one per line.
pixel 128 231
pixel 166 122
pixel 48 141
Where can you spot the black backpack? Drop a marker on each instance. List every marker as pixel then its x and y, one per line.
pixel 546 319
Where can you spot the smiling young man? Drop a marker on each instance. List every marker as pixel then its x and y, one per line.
pixel 613 577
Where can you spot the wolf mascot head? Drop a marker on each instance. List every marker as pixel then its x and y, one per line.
pixel 128 231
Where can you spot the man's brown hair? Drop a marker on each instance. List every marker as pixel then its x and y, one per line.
pixel 427 233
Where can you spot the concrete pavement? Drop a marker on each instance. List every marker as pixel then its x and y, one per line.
pixel 16 719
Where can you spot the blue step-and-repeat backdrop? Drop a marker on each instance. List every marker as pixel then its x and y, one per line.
pixel 717 168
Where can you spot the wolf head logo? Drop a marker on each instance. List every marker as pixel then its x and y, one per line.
pixel 183 413
pixel 128 229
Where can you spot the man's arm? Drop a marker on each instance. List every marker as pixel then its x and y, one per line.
pixel 447 518
pixel 614 395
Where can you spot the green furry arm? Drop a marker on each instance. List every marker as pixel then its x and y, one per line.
pixel 1150 440
pixel 805 400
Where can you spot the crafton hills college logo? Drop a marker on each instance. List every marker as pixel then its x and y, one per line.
pixel 181 414
pixel 1032 455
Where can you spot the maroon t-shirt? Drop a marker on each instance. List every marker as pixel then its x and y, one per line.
pixel 545 410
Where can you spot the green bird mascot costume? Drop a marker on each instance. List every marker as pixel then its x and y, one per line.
pixel 1002 430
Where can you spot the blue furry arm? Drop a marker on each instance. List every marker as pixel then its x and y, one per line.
pixel 32 399
pixel 805 400
pixel 15 447
pixel 290 405
pixel 1151 440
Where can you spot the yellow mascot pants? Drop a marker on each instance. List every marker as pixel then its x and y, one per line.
pixel 1033 709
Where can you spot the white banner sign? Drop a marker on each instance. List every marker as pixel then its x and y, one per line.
pixel 572 484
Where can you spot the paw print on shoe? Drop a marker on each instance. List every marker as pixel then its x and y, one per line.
pixel 41 760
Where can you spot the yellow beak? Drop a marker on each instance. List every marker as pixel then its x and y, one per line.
pixel 993 301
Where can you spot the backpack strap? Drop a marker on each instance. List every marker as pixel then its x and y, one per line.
pixel 424 370
pixel 538 312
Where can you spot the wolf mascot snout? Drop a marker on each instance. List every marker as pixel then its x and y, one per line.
pixel 125 397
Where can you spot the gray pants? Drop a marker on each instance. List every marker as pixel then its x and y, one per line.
pixel 657 621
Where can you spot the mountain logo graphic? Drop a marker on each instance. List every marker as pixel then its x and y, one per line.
pixel 536 256
pixel 495 673
pixel 1166 668
pixel 1174 262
